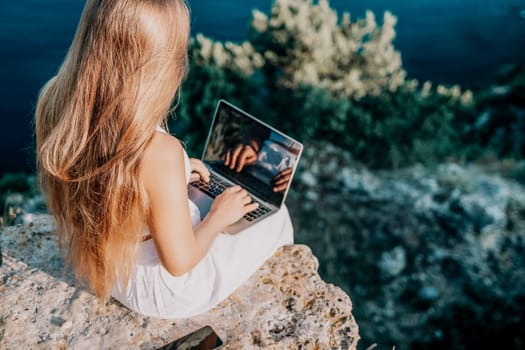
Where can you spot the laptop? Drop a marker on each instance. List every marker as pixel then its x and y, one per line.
pixel 242 150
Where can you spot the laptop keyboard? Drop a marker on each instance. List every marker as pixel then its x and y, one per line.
pixel 213 188
pixel 249 181
pixel 216 186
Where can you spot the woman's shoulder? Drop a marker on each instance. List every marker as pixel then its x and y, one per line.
pixel 164 153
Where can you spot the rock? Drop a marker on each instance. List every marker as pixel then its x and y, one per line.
pixel 312 195
pixel 393 261
pixel 428 294
pixel 308 179
pixel 35 204
pixel 19 208
pixel 57 321
pixel 39 220
pixel 428 254
pixel 284 305
pixel 479 198
pixel 359 181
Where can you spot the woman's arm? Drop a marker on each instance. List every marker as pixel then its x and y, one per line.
pixel 179 246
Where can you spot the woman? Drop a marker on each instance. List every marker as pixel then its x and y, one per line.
pixel 116 181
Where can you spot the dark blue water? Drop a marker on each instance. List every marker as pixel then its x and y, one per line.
pixel 446 41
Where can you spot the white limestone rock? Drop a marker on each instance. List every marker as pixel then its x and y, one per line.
pixel 284 305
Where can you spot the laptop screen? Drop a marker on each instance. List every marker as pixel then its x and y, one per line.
pixel 251 153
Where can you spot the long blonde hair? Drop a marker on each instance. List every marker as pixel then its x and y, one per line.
pixel 93 122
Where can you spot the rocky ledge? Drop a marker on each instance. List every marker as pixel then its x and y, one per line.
pixel 284 305
pixel 433 256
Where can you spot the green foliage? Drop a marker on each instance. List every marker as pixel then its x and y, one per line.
pixel 390 130
pixel 304 42
pixel 315 75
pixel 211 78
pixel 13 185
pixel 517 172
pixel 500 125
pixel 15 182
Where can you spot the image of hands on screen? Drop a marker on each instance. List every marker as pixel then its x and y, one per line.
pixel 266 159
pixel 241 155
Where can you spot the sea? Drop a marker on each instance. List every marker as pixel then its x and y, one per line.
pixel 448 41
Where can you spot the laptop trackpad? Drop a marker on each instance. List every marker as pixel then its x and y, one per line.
pixel 201 200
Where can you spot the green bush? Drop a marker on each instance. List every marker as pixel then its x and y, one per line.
pixel 314 75
pixel 15 182
pixel 500 125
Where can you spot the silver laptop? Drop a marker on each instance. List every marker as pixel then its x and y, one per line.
pixel 242 150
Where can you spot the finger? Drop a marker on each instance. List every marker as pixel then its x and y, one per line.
pixel 227 160
pixel 280 182
pixel 251 207
pixel 235 155
pixel 283 173
pixel 196 164
pixel 254 146
pixel 242 159
pixel 286 171
pixel 234 188
pixel 280 188
pixel 283 180
pixel 277 177
pixel 250 158
pixel 194 177
pixel 246 200
pixel 201 169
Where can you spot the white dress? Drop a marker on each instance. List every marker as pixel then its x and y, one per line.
pixel 153 291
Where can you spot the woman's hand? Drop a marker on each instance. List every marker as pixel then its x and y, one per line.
pixel 198 171
pixel 231 205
